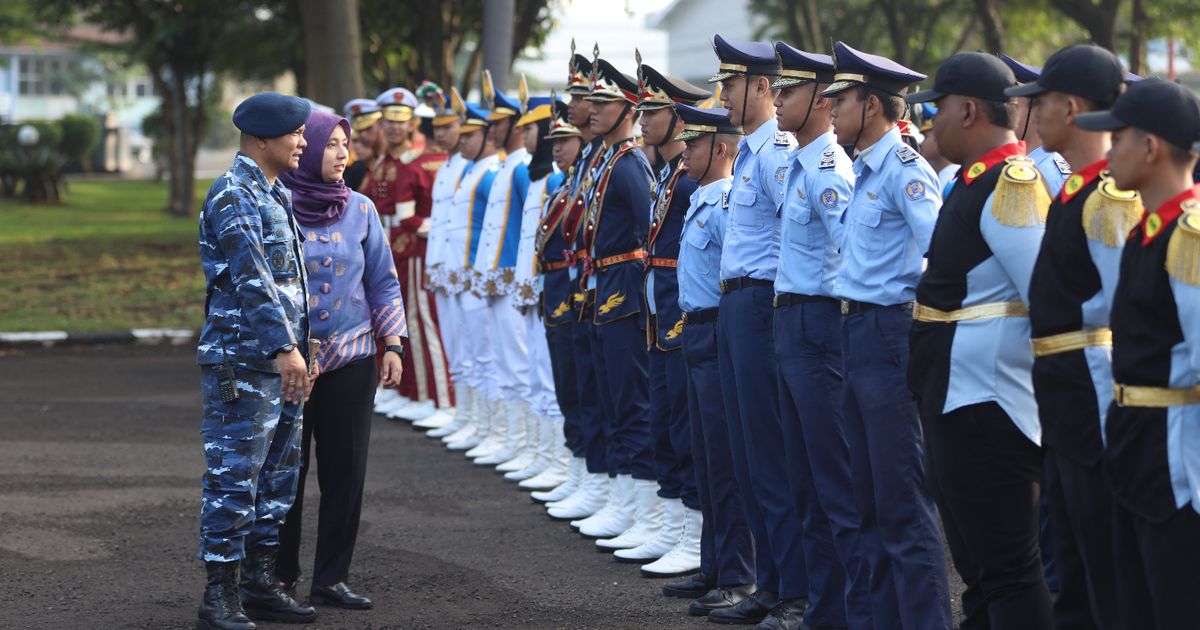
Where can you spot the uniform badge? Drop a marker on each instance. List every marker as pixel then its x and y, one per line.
pixel 826 160
pixel 976 170
pixel 1153 225
pixel 872 196
pixel 783 139
pixel 906 154
pixel 780 174
pixel 914 190
pixel 829 198
pixel 800 194
pixel 699 223
pixel 745 179
pixel 1074 183
pixel 1062 165
pixel 725 199
pixel 614 301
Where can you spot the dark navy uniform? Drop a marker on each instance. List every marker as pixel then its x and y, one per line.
pixel 664 319
pixel 614 235
pixel 889 223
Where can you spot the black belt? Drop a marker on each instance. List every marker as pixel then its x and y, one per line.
pixel 788 299
pixel 733 284
pixel 854 307
pixel 702 316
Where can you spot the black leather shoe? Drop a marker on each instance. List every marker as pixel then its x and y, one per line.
pixel 747 612
pixel 690 587
pixel 787 615
pixel 339 596
pixel 720 598
pixel 263 598
pixel 220 609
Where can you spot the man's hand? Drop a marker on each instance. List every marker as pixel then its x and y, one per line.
pixel 391 370
pixel 295 385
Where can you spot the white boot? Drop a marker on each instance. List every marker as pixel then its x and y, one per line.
pixel 673 516
pixel 514 435
pixel 554 474
pixel 591 496
pixel 684 558
pixel 620 515
pixel 575 469
pixel 440 418
pixel 538 440
pixel 384 396
pixel 477 431
pixel 647 520
pixel 465 421
pixel 571 496
pixel 462 413
pixel 497 431
pixel 418 410
pixel 393 402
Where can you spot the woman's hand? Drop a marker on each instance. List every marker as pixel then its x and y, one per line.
pixel 391 370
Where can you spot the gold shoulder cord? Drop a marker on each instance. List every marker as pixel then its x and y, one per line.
pixel 1109 213
pixel 1183 251
pixel 1020 198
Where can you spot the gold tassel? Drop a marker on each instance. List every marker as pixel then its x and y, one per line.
pixel 1110 213
pixel 1183 251
pixel 1020 198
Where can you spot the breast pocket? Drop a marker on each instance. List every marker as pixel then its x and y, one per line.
pixel 699 240
pixel 799 226
pixel 745 211
pixel 869 220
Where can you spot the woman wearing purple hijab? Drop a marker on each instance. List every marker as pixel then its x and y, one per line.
pixel 354 300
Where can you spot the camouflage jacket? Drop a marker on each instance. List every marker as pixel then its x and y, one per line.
pixel 257 289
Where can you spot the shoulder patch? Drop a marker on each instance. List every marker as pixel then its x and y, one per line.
pixel 1183 251
pixel 783 139
pixel 1109 213
pixel 1020 198
pixel 915 190
pixel 906 154
pixel 781 174
pixel 1062 165
pixel 827 160
pixel 829 198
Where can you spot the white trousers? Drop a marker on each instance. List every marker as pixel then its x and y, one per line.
pixel 541 380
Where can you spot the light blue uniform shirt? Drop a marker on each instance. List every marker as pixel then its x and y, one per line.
pixel 751 245
pixel 888 223
pixel 1053 167
pixel 700 246
pixel 817 191
pixel 1183 422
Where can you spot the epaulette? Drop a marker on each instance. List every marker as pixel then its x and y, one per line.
pixel 1183 251
pixel 725 200
pixel 408 156
pixel 1020 198
pixel 783 139
pixel 1109 213
pixel 1063 166
pixel 827 159
pixel 906 154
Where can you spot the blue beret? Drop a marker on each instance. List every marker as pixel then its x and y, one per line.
pixel 859 68
pixel 271 114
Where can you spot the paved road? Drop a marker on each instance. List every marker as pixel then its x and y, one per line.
pixel 100 461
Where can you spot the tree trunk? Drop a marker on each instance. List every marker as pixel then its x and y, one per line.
pixel 993 25
pixel 332 49
pixel 1137 41
pixel 1099 20
pixel 498 16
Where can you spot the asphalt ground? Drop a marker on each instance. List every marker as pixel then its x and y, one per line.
pixel 100 462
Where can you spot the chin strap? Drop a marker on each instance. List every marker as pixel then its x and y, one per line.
pixel 811 101
pixel 619 120
pixel 670 128
pixel 1028 115
pixel 712 147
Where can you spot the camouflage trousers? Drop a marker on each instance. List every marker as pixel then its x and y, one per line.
pixel 252 457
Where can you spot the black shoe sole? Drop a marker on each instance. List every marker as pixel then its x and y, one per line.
pixel 201 624
pixel 655 576
pixel 321 600
pixel 668 592
pixel 697 611
pixel 634 561
pixel 736 622
pixel 266 615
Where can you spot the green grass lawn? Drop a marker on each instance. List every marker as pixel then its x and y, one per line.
pixel 109 258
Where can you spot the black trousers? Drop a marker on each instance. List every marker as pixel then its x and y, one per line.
pixel 338 417
pixel 1157 569
pixel 984 474
pixel 1081 505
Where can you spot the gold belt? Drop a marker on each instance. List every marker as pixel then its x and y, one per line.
pixel 1069 341
pixel 1140 396
pixel 924 313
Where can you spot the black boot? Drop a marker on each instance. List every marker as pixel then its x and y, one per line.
pixel 220 609
pixel 262 595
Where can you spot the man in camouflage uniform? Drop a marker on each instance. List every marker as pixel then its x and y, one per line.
pixel 253 373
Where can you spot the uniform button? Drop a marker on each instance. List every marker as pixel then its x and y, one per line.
pixel 325 288
pixel 324 315
pixel 328 261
